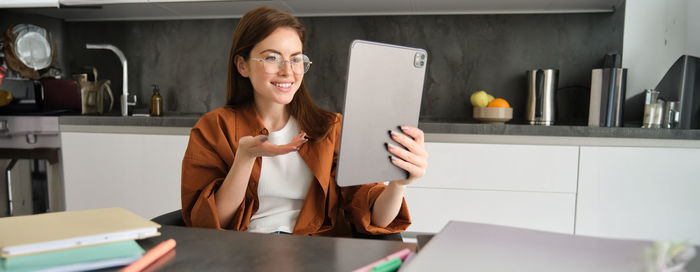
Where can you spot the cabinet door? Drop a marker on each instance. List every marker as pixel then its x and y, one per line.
pixel 138 172
pixel 639 193
pixel 531 168
pixel 530 186
pixel 431 209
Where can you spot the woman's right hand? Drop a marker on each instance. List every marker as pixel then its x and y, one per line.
pixel 258 146
pixel 232 192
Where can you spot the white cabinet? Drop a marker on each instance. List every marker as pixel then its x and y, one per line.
pixel 139 172
pixel 431 209
pixel 639 193
pixel 504 167
pixel 530 186
pixel 609 191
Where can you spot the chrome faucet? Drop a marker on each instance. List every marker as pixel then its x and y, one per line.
pixel 125 94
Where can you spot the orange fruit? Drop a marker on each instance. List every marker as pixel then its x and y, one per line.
pixel 498 103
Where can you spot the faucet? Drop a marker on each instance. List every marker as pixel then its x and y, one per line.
pixel 125 94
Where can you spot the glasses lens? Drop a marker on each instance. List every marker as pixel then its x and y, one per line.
pixel 300 64
pixel 297 63
pixel 273 63
pixel 307 63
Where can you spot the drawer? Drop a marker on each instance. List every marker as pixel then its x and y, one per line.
pixel 431 209
pixel 533 168
pixel 639 193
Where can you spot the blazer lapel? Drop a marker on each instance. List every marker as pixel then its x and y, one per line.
pixel 314 155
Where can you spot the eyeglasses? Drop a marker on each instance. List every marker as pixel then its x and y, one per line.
pixel 274 62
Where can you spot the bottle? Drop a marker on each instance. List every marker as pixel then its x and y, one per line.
pixel 156 102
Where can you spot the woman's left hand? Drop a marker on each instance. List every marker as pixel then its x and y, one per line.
pixel 414 158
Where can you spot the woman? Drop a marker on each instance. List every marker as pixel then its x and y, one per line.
pixel 266 161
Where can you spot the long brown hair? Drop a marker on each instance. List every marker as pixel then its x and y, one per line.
pixel 254 27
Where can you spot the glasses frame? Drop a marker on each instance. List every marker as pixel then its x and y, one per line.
pixel 281 63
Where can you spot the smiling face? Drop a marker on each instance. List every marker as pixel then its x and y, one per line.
pixel 273 88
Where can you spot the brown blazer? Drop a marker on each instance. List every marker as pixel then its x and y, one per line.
pixel 327 210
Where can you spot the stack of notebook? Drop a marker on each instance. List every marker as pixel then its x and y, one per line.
pixel 72 241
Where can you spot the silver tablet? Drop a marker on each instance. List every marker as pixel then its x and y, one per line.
pixel 383 91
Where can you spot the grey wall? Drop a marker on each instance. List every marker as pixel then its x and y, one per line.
pixel 469 53
pixel 188 58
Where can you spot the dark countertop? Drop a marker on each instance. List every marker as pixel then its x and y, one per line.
pixel 188 120
pixel 200 249
pixel 561 131
pixel 167 120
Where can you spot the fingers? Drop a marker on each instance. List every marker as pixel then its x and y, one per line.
pixel 260 138
pixel 414 132
pixel 410 143
pixel 299 140
pixel 414 164
pixel 415 158
pixel 269 149
pixel 251 141
pixel 276 150
pixel 413 170
pixel 406 156
pixel 259 146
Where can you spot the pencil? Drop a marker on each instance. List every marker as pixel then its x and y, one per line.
pixel 150 256
pixel 402 254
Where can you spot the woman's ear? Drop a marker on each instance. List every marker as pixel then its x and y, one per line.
pixel 241 65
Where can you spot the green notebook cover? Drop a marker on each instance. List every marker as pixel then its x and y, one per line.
pixel 83 257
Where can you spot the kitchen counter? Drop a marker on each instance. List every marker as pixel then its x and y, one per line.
pixel 560 131
pixel 183 122
pixel 169 120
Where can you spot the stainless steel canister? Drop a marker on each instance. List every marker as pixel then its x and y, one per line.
pixel 541 96
pixel 671 114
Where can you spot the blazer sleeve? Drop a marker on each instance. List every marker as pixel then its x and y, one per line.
pixel 359 200
pixel 204 168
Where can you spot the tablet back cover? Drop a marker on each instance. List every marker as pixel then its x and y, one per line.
pixel 383 91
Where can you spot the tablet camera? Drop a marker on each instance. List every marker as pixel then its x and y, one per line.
pixel 419 60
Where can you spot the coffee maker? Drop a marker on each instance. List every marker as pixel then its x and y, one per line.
pixel 681 85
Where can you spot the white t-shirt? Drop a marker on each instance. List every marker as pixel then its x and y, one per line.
pixel 284 182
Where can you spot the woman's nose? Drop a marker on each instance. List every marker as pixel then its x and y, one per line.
pixel 285 67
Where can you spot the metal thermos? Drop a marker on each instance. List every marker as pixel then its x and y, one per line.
pixel 542 85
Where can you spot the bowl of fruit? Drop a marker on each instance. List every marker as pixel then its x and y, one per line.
pixel 489 109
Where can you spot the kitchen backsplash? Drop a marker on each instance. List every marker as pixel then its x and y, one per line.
pixel 189 58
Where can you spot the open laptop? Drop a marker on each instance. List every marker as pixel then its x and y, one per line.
pixel 383 91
